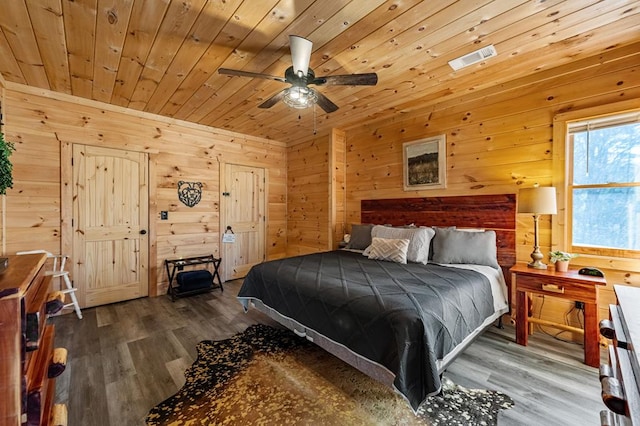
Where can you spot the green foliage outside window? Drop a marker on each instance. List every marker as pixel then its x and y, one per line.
pixel 6 168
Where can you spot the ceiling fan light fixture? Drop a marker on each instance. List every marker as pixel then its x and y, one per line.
pixel 300 97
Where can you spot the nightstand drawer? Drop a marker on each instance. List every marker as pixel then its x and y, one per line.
pixel 557 288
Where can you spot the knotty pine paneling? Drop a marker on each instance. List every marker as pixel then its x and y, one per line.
pixel 308 197
pixel 316 194
pixel 37 208
pixel 498 140
pixel 41 121
pixel 337 169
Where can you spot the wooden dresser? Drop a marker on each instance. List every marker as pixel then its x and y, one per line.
pixel 620 378
pixel 26 343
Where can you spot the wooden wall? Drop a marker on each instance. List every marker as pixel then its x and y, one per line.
pixel 316 194
pixel 308 196
pixel 41 122
pixel 498 140
pixel 338 170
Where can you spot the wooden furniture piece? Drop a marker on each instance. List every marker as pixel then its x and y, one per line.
pixel 621 377
pixel 175 266
pixel 58 271
pixel 566 285
pixel 26 343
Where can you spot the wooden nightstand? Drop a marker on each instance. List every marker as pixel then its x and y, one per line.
pixel 566 285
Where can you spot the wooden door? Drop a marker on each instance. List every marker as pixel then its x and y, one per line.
pixel 243 207
pixel 110 224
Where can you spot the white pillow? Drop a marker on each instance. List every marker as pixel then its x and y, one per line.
pixel 419 240
pixel 393 250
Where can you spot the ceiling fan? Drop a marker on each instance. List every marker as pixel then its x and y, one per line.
pixel 300 76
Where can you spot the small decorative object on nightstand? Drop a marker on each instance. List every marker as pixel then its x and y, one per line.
pixel 561 259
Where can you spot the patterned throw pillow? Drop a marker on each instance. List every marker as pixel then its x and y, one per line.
pixel 390 249
pixel 419 240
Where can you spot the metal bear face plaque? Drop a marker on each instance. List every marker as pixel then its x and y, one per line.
pixel 190 193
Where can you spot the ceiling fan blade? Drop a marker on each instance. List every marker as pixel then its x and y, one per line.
pixel 272 100
pixel 368 79
pixel 325 103
pixel 227 71
pixel 300 54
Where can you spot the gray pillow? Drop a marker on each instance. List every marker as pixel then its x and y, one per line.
pixel 434 238
pixel 360 237
pixel 451 246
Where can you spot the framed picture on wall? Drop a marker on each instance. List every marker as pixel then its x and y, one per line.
pixel 425 163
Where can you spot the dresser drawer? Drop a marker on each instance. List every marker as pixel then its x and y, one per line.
pixel 27 343
pixel 620 388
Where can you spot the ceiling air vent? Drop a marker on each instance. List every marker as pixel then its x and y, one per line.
pixel 473 57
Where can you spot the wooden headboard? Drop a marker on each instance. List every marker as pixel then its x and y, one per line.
pixel 494 212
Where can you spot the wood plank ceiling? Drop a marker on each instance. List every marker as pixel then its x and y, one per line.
pixel 162 56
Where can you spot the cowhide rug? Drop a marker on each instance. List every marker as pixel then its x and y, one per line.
pixel 270 376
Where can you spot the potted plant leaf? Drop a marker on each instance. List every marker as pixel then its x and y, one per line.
pixel 561 259
pixel 6 168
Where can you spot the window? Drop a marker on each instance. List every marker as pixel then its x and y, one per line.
pixel 604 185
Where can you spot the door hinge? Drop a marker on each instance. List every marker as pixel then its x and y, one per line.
pixel 72 161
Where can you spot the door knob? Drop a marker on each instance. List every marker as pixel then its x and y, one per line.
pixel 143 231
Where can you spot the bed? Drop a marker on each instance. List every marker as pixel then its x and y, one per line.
pixel 401 320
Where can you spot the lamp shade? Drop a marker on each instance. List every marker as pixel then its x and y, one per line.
pixel 537 200
pixel 300 54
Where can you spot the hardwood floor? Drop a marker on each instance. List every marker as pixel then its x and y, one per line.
pixel 125 358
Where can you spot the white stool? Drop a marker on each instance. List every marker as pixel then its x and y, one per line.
pixel 58 271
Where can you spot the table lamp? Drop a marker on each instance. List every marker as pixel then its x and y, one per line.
pixel 537 200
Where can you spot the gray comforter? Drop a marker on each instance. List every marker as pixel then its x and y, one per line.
pixel 403 317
